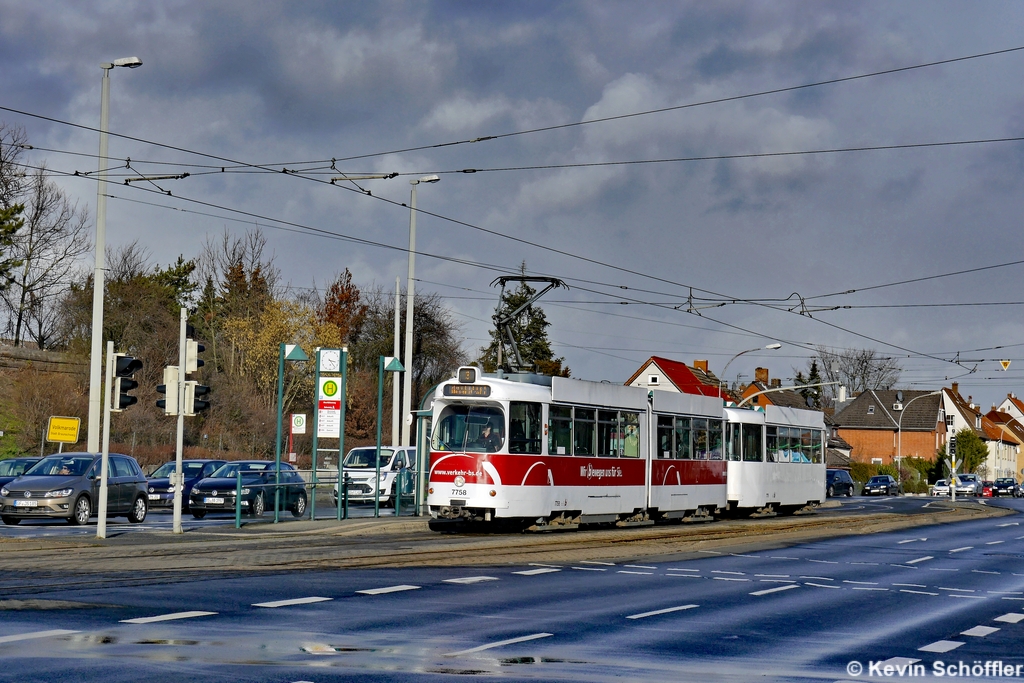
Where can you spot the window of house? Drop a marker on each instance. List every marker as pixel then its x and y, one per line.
pixel 949 420
pixel 871 410
pixel 977 421
pixel 653 379
pixel 876 461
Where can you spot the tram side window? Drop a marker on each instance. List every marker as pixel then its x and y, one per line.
pixel 630 423
pixel 560 433
pixel 805 445
pixel 785 447
pixel 665 436
pixel 584 432
pixel 751 443
pixel 715 439
pixel 816 446
pixel 700 439
pixel 525 427
pixel 607 433
pixel 771 444
pixel 684 449
pixel 732 441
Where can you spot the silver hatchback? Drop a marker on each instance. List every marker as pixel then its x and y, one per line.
pixel 67 486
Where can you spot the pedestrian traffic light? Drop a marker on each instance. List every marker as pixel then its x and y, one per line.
pixel 124 367
pixel 194 405
pixel 170 389
pixel 192 360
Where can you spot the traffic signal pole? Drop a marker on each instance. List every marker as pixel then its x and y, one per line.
pixel 179 476
pixel 101 511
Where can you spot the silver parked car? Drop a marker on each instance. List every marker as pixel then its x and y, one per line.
pixel 67 486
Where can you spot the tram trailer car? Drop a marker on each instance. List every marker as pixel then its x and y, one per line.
pixel 776 459
pixel 555 453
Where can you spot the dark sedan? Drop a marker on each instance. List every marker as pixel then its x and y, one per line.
pixel 12 468
pixel 881 485
pixel 216 493
pixel 161 495
pixel 1005 486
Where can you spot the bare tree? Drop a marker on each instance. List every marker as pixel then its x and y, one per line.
pixel 857 369
pixel 54 236
pixel 13 142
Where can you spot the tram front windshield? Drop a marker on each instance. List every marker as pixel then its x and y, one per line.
pixel 469 429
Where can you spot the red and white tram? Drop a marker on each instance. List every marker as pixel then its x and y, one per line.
pixel 557 452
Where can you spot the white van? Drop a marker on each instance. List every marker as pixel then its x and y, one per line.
pixel 361 469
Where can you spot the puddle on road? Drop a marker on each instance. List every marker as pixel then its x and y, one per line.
pixel 323 649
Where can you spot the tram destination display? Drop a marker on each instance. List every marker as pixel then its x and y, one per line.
pixel 475 390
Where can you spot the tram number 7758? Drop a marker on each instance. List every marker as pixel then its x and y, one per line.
pixel 459 492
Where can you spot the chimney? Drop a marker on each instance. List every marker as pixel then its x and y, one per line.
pixel 776 383
pixel 970 402
pixel 956 388
pixel 701 365
pixel 761 375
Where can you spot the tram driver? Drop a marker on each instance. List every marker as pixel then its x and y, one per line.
pixel 489 440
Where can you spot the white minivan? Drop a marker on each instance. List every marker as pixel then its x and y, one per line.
pixel 361 469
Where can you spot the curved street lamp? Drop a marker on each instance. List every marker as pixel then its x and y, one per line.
pixel 771 347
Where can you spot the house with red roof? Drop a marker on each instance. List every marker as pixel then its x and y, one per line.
pixel 665 374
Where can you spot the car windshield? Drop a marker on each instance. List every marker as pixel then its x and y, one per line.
pixel 14 467
pixel 942 482
pixel 191 469
pixel 232 469
pixel 879 480
pixel 1005 480
pixel 61 465
pixel 362 458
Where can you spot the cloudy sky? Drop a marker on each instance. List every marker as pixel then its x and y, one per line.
pixel 279 85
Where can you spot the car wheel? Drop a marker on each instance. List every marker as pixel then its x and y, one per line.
pixel 257 506
pixel 13 521
pixel 199 514
pixel 299 508
pixel 830 492
pixel 138 512
pixel 82 511
pixel 849 492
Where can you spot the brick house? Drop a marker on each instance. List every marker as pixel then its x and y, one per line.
pixel 873 426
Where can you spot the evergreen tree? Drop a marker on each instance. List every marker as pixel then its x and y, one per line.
pixel 10 223
pixel 529 329
pixel 813 377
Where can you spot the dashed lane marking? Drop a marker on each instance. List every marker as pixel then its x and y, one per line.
pixel 535 572
pixel 36 634
pixel 728 578
pixel 773 576
pixel 957 590
pixel 719 571
pixel 911 540
pixel 1008 598
pixel 388 589
pixel 289 603
pixel 911 585
pixel 817 578
pixel 982 571
pixel 168 617
pixel 868 588
pixel 979 631
pixel 905 590
pixel 638 566
pixel 942 569
pixel 1011 618
pixel 863 583
pixel 960 550
pixel 994 542
pixel 680 569
pixel 823 561
pixel 686 576
pixel 782 557
pixel 606 564
pixel 626 571
pixel 870 564
pixel 1009 524
pixel 740 555
pixel 822 585
pixel 776 581
pixel 539 564
pixel 1007 592
pixel 644 615
pixel 777 589
pixel 973 597
pixel 591 569
pixel 920 559
pixel 940 646
pixel 500 643
pixel 471 579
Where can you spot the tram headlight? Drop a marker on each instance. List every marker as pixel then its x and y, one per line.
pixel 460 481
pixel 430 490
pixel 493 493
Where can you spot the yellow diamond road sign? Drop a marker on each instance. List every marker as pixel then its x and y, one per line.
pixel 63 429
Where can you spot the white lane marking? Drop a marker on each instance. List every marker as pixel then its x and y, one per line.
pixel 1006 598
pixel 709 552
pixel 982 571
pixel 606 564
pixel 1007 592
pixel 920 559
pixel 728 578
pixel 680 569
pixel 388 589
pixel 974 597
pixel 773 576
pixel 872 564
pixel 590 569
pixel 903 566
pixel 293 601
pixel 644 615
pixel 625 571
pixel 535 572
pixel 817 578
pixel 36 634
pixel 911 540
pixel 993 542
pixel 960 550
pixel 863 583
pixel 776 581
pixel 471 579
pixel 500 643
pixel 868 588
pixel 979 631
pixel 782 557
pixel 1011 618
pixel 717 571
pixel 823 561
pixel 822 585
pixel 958 590
pixel 777 589
pixel 538 564
pixel 940 646
pixel 739 555
pixel 1009 524
pixel 1018 538
pixel 167 617
pixel 942 569
pixel 686 576
pixel 911 585
pixel 638 566
pixel 904 590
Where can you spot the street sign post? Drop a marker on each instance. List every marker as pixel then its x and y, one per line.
pixel 62 430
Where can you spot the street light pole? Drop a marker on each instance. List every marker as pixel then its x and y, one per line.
pixel 771 347
pixel 899 436
pixel 409 297
pixel 96 357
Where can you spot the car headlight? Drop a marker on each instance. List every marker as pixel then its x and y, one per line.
pixel 58 493
pixel 245 492
pixel 195 490
pixel 4 491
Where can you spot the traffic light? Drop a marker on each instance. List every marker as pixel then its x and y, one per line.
pixel 194 405
pixel 192 360
pixel 124 368
pixel 170 389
